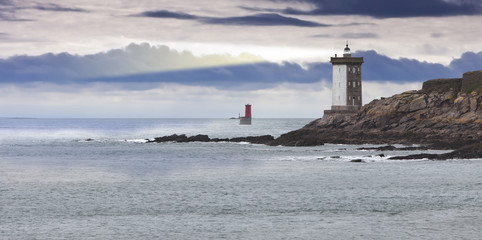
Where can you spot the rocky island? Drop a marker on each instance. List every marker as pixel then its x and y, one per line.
pixel 444 114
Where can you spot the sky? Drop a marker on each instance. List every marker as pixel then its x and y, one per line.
pixel 203 59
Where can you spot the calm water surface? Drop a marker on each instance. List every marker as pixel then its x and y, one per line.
pixel 56 185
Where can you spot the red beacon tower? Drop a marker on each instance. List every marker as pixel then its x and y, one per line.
pixel 246 120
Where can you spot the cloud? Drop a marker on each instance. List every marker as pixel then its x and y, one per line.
pixel 436 35
pixel 134 59
pixel 142 66
pixel 322 36
pixel 359 35
pixel 6 2
pixel 167 14
pixel 390 9
pixel 262 19
pixel 57 8
pixel 469 61
pixel 379 68
pixel 7 11
pixel 235 77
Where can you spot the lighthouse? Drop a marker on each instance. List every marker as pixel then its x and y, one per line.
pixel 246 120
pixel 347 83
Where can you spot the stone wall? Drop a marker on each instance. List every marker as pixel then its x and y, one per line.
pixel 442 85
pixel 472 81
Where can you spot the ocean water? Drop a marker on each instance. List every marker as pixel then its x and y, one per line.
pixel 54 184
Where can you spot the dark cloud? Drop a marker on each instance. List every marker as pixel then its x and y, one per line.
pixel 263 19
pixel 6 2
pixel 436 35
pixel 347 35
pixel 382 68
pixel 168 14
pixel 469 61
pixel 264 75
pixel 124 65
pixel 322 36
pixel 237 77
pixel 356 24
pixel 390 9
pixel 10 17
pixel 57 8
pixel 7 10
pixel 359 35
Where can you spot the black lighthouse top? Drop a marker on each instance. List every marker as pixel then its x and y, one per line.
pixel 346 51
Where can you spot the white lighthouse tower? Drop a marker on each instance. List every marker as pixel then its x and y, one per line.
pixel 347 83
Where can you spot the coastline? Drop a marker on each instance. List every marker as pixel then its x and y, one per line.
pixel 444 114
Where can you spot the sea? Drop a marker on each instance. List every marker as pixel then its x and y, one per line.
pixel 99 179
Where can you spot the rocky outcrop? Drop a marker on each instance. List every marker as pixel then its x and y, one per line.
pixel 445 113
pixel 264 139
pixel 465 152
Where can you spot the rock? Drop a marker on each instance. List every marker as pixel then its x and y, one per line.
pixel 392 148
pixel 465 152
pixel 198 138
pixel 415 156
pixel 383 148
pixel 357 160
pixel 264 139
pixel 171 138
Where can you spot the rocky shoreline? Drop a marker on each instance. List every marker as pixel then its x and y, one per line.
pixel 470 151
pixel 444 114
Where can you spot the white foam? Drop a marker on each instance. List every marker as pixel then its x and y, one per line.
pixel 135 140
